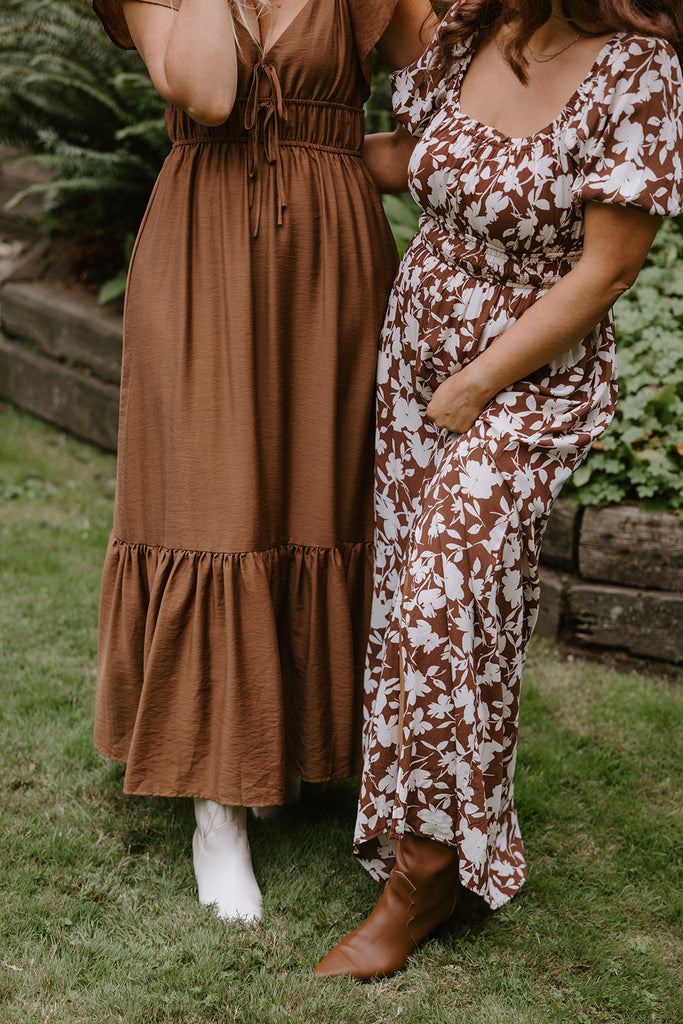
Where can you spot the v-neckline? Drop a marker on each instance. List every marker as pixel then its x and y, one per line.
pixel 259 44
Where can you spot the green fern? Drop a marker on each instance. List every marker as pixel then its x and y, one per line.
pixel 86 111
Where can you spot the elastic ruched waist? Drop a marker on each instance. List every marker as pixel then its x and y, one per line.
pixel 478 258
pixel 266 122
pixel 311 124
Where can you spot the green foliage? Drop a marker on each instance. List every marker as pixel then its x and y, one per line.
pixel 87 112
pixel 378 111
pixel 402 213
pixel 640 456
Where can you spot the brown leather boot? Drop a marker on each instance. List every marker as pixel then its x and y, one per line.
pixel 421 894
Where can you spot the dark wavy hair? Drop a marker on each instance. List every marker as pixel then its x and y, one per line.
pixel 478 20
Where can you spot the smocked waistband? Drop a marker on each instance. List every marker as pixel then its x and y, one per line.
pixel 313 124
pixel 267 122
pixel 479 258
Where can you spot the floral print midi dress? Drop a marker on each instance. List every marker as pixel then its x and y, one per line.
pixel 459 518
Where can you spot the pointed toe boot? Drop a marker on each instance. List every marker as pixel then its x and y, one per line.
pixel 421 894
pixel 222 862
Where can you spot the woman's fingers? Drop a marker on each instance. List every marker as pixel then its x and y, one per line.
pixel 456 404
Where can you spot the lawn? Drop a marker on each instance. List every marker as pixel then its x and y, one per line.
pixel 98 912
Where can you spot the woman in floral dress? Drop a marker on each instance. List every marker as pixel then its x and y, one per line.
pixel 543 150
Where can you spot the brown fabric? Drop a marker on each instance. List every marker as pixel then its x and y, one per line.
pixel 369 18
pixel 110 13
pixel 235 598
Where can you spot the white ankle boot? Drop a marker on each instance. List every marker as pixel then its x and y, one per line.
pixel 222 861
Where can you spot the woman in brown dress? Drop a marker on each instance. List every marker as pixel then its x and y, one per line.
pixel 236 591
pixel 545 143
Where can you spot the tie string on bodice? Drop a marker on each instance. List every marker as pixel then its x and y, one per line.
pixel 262 117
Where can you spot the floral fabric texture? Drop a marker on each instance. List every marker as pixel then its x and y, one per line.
pixel 459 518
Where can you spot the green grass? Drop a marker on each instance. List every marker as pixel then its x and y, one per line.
pixel 98 912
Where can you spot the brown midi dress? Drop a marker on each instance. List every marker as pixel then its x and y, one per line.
pixel 460 517
pixel 236 590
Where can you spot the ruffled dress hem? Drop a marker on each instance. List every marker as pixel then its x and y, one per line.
pixel 218 671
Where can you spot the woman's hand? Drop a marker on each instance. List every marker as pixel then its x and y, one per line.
pixel 459 400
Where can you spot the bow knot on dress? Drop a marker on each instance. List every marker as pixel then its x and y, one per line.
pixel 264 111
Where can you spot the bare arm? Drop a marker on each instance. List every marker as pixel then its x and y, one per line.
pixel 190 54
pixel 386 156
pixel 616 242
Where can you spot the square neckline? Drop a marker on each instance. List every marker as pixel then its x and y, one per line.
pixel 552 126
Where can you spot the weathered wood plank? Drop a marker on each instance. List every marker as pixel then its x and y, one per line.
pixel 65 323
pixel 559 546
pixel 83 405
pixel 623 544
pixel 647 623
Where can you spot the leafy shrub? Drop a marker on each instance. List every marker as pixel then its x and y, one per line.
pixel 88 112
pixel 402 213
pixel 640 456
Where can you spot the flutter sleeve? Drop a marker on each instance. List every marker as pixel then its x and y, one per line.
pixel 110 14
pixel 632 155
pixel 370 19
pixel 418 90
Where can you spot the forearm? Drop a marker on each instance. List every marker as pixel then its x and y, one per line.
pixel 201 60
pixel 553 325
pixel 616 241
pixel 190 53
pixel 386 156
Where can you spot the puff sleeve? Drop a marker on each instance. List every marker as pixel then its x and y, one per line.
pixel 369 19
pixel 110 14
pixel 418 90
pixel 633 152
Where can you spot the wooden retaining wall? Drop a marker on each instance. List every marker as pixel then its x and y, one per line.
pixel 60 354
pixel 60 358
pixel 613 577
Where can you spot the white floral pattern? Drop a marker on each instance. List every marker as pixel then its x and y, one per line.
pixel 460 517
